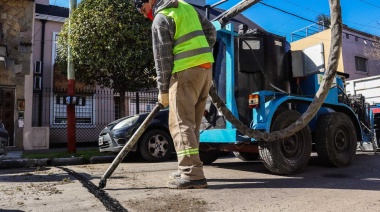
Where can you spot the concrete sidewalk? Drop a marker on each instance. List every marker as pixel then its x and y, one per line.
pixel 14 159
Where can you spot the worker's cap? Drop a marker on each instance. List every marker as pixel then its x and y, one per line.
pixel 140 3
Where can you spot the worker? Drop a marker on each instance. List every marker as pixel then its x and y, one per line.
pixel 182 49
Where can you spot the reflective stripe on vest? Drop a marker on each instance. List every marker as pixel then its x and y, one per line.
pixel 187 37
pixel 190 53
pixel 190 44
pixel 188 152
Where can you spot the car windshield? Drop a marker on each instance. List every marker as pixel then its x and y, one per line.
pixel 126 123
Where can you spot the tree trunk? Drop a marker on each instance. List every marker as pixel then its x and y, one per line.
pixel 122 102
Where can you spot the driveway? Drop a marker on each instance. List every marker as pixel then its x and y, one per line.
pixel 233 186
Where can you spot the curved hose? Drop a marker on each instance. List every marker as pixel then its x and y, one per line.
pixel 237 9
pixel 328 77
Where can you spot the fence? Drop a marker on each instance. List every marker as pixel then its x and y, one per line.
pixel 99 109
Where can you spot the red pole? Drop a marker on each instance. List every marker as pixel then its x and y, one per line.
pixel 71 128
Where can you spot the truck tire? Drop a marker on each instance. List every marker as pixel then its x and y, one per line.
pixel 208 156
pixel 289 155
pixel 335 139
pixel 156 145
pixel 247 156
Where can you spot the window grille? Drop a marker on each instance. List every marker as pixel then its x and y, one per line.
pixel 83 114
pixel 361 64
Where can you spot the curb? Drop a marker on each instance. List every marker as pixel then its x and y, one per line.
pixel 24 163
pixel 67 161
pixel 102 159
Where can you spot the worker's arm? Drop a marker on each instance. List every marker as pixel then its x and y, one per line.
pixel 208 29
pixel 163 30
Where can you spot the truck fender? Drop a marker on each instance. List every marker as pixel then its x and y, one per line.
pixel 263 116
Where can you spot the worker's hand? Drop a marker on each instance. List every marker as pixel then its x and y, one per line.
pixel 163 98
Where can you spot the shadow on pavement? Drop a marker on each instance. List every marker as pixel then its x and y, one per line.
pixel 362 174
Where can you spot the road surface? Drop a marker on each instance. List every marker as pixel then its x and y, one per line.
pixel 234 185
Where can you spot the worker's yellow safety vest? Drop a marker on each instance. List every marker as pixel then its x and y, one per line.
pixel 190 45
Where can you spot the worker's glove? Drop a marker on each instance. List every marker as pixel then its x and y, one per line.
pixel 163 98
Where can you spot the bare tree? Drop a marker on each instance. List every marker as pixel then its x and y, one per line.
pixel 372 50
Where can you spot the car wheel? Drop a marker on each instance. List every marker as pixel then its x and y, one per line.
pixel 156 145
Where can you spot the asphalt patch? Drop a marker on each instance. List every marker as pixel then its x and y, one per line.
pixel 110 203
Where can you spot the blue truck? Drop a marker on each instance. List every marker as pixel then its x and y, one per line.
pixel 267 87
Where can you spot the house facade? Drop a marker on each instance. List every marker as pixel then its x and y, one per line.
pixel 48 90
pixel 355 57
pixel 16 40
pixel 29 86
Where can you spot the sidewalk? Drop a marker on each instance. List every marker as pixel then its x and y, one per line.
pixel 14 159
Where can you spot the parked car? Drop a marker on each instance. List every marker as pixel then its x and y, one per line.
pixel 4 136
pixel 154 145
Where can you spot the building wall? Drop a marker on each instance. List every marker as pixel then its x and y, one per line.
pixel 322 37
pixel 16 17
pixel 51 29
pixel 356 45
pixel 43 116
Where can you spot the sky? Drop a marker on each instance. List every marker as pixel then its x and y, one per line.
pixel 363 15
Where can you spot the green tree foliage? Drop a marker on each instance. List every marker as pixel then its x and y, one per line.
pixel 111 46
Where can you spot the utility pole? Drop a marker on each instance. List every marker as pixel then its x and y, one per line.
pixel 71 123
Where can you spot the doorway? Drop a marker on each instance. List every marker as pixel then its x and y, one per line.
pixel 7 105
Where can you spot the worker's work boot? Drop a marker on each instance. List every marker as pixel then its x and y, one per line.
pixel 175 175
pixel 181 183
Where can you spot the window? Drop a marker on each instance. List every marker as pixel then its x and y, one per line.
pixel 361 65
pixel 54 45
pixel 84 115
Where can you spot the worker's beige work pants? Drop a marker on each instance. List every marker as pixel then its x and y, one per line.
pixel 187 100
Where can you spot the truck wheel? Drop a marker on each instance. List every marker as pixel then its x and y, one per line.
pixel 247 156
pixel 289 155
pixel 335 139
pixel 208 156
pixel 156 145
